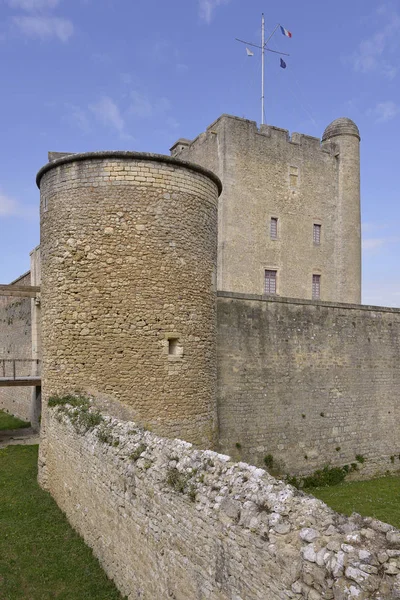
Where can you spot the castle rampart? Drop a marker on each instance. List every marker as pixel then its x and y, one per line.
pixel 15 335
pixel 310 383
pixel 132 319
pixel 128 245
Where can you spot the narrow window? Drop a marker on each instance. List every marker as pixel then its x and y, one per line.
pixel 317 234
pixel 293 176
pixel 273 228
pixel 316 287
pixel 173 346
pixel 270 282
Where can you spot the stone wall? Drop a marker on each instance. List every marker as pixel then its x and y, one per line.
pixel 15 342
pixel 168 521
pixel 301 182
pixel 129 252
pixel 308 383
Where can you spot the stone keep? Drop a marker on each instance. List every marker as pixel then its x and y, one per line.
pixel 302 184
pixel 129 256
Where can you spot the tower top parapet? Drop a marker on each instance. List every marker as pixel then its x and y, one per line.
pixel 341 126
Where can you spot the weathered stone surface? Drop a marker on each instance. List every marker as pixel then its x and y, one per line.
pixel 308 534
pixel 163 518
pixel 268 406
pixel 298 181
pixel 393 537
pixel 137 323
pixel 15 342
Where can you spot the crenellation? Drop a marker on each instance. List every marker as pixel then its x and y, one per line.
pixel 275 133
pixel 251 128
pixel 308 141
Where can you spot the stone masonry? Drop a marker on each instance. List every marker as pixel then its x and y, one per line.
pixel 301 183
pixel 129 251
pixel 310 383
pixel 15 335
pixel 129 297
pixel 168 521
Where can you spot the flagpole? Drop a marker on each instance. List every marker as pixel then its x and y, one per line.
pixel 263 48
pixel 262 66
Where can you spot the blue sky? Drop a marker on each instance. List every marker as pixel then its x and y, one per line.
pixel 84 75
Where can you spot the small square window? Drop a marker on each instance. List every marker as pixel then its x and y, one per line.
pixel 316 287
pixel 273 228
pixel 317 234
pixel 173 346
pixel 270 282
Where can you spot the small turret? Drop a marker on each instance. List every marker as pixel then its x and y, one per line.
pixel 342 126
pixel 344 134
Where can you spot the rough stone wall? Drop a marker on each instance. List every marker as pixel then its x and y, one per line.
pixel 15 342
pixel 347 253
pixel 129 250
pixel 35 304
pixel 168 521
pixel 300 182
pixel 309 383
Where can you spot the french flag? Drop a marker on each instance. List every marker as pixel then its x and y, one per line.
pixel 285 32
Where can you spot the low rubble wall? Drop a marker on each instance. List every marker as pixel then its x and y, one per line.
pixel 168 521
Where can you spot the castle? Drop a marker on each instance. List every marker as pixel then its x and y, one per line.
pixel 289 212
pixel 212 296
pixel 229 322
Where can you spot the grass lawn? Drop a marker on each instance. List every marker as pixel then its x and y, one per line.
pixel 9 422
pixel 41 557
pixel 378 498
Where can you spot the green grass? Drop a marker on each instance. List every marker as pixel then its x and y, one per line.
pixel 41 556
pixel 379 498
pixel 9 422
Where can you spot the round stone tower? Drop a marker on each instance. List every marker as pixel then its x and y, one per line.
pixel 344 135
pixel 129 255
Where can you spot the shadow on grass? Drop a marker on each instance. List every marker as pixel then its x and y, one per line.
pixel 9 422
pixel 41 556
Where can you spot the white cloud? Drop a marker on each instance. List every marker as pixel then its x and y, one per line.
pixel 373 227
pixel 207 7
pixel 101 58
pixel 126 78
pixel 172 122
pixel 181 68
pixel 142 106
pixel 381 293
pixel 33 5
pixel 9 207
pixel 78 117
pixel 384 111
pixel 372 52
pixel 373 245
pixel 108 113
pixel 45 28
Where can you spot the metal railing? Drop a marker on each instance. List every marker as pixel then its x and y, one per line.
pixel 9 370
